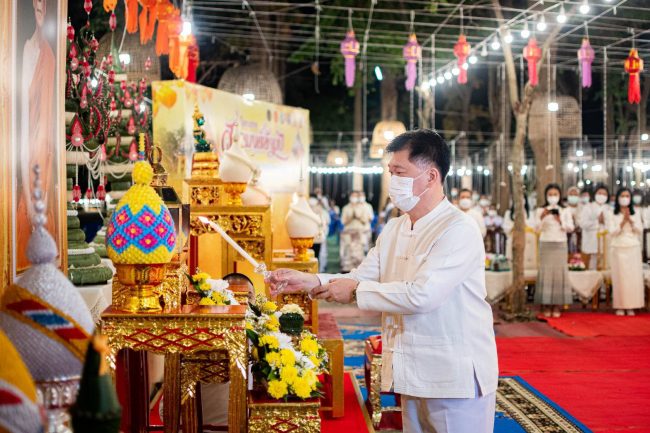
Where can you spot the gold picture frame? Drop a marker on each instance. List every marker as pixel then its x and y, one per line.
pixel 32 99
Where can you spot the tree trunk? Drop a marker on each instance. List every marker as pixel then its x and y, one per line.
pixel 388 97
pixel 357 178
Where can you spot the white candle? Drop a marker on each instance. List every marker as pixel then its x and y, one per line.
pixel 231 241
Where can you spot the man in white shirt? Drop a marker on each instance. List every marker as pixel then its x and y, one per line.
pixel 466 205
pixel 426 275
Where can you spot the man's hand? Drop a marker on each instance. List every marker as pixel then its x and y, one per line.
pixel 339 290
pixel 295 281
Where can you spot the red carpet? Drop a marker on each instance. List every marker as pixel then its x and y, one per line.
pixel 604 382
pixel 353 421
pixel 600 324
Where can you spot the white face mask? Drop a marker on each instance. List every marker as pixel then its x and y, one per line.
pixel 454 192
pixel 484 202
pixel 492 213
pixel 475 197
pixel 573 199
pixel 354 200
pixel 601 198
pixel 637 199
pixel 313 202
pixel 465 203
pixel 553 200
pixel 624 201
pixel 585 199
pixel 401 192
pixel 362 199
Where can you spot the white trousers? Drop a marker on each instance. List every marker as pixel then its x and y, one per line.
pixel 448 415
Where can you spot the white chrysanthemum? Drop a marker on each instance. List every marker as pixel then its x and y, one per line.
pixel 292 308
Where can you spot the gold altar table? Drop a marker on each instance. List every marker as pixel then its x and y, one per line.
pixel 277 416
pixel 332 340
pixel 187 330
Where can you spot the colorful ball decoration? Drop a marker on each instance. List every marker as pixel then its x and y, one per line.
pixel 412 53
pixel 633 66
pixel 350 50
pixel 141 229
pixel 586 57
pixel 532 54
pixel 461 51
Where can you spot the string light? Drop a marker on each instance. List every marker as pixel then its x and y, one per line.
pixel 187 28
pixel 432 82
pixel 447 75
pixel 579 153
pixel 465 66
pixel 440 79
pixel 484 51
pixel 561 18
pixel 472 59
pixel 378 73
pixel 525 33
pixel 541 24
pixel 553 106
pixel 455 71
pixel 644 136
pixel 507 37
pixel 495 44
pixel 584 7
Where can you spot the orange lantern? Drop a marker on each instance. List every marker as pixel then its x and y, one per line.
pixel 166 13
pixel 532 54
pixel 131 15
pixel 633 66
pixel 461 51
pixel 175 27
pixel 147 20
pixel 192 61
pixel 110 5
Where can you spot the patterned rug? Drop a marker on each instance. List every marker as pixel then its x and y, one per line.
pixel 520 408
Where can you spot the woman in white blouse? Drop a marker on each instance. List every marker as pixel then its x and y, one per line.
pixel 594 218
pixel 553 222
pixel 625 227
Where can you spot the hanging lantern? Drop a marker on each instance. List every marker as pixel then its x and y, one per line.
pixel 131 15
pixel 113 104
pixel 130 126
pixel 166 14
pixel 586 57
pixel 383 133
pixel 101 192
pixel 111 77
pixel 112 22
pixel 128 101
pixel 133 151
pixel 350 50
pixel 88 6
pixel 89 193
pixel 461 51
pixel 337 157
pixel 147 64
pixel 532 54
pixel 76 193
pixel 412 53
pixel 76 133
pixel 110 5
pixel 94 44
pixel 147 20
pixel 633 66
pixel 102 153
pixel 74 63
pixel 70 31
pixel 73 51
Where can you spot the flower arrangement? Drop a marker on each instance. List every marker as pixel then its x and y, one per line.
pixel 288 366
pixel 213 292
pixel 576 263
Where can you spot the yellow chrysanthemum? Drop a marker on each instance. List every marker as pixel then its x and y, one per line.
pixel 309 346
pixel 288 374
pixel 269 307
pixel 273 324
pixel 201 276
pixel 287 357
pixel 277 389
pixel 206 301
pixel 311 378
pixel 219 298
pixel 302 388
pixel 273 358
pixel 204 286
pixel 255 354
pixel 314 359
pixel 271 341
pixel 249 326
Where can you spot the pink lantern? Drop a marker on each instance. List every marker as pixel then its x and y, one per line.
pixel 102 153
pixel 76 193
pixel 111 77
pixel 112 22
pixel 74 63
pixel 412 53
pixel 76 133
pixel 73 51
pixel 147 64
pixel 133 151
pixel 586 57
pixel 94 44
pixel 101 192
pixel 88 6
pixel 128 101
pixel 130 126
pixel 89 193
pixel 113 104
pixel 350 50
pixel 70 31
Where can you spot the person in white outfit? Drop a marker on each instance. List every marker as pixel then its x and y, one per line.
pixel 627 271
pixel 594 218
pixel 553 222
pixel 426 275
pixel 574 208
pixel 466 204
pixel 356 233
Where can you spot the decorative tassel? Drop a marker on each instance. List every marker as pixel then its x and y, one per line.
pixel 131 15
pixel 76 193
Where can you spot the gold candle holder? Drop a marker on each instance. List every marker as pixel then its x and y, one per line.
pixel 301 248
pixel 205 165
pixel 141 281
pixel 234 191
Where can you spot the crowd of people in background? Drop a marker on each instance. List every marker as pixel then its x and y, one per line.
pixel 567 224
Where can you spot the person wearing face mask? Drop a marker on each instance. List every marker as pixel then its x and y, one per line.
pixel 426 275
pixel 466 205
pixel 370 211
pixel 553 222
pixel 625 226
pixel 495 240
pixel 475 198
pixel 356 232
pixel 641 208
pixel 320 241
pixel 484 204
pixel 594 218
pixel 574 207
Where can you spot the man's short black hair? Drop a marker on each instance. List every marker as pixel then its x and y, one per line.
pixel 465 190
pixel 424 146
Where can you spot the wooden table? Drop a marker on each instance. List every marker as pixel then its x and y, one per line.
pixel 187 330
pixel 330 336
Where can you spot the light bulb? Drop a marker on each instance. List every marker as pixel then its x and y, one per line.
pixel 525 33
pixel 447 75
pixel 93 84
pixel 465 66
pixel 495 45
pixel 440 79
pixel 484 51
pixel 644 136
pixel 378 73
pixel 541 24
pixel 561 18
pixel 125 58
pixel 507 37
pixel 432 82
pixel 249 97
pixel 584 7
pixel 455 71
pixel 579 153
pixel 187 28
pixel 472 59
pixel 553 106
pixel 425 85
